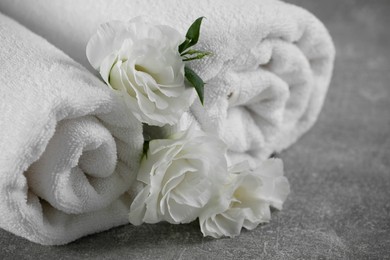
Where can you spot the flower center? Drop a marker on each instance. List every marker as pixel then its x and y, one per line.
pixel 140 68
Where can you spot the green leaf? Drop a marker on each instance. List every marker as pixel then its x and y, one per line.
pixel 195 55
pixel 192 52
pixel 195 81
pixel 146 148
pixel 192 35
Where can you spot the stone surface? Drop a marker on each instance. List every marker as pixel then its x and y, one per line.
pixel 339 207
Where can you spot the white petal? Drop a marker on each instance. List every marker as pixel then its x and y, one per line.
pixel 280 193
pixel 106 66
pixel 138 207
pixel 107 40
pixel 230 223
pixel 194 190
pixel 116 81
pixel 271 168
pixel 171 184
pixel 175 37
pixel 181 213
pixel 209 228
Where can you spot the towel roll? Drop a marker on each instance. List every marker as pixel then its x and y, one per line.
pixel 69 148
pixel 266 81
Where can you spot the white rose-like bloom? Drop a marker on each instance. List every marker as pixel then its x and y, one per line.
pixel 180 175
pixel 141 61
pixel 245 201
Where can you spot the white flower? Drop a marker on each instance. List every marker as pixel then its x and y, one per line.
pixel 246 200
pixel 141 61
pixel 180 176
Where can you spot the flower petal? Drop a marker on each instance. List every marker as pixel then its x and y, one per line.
pixel 107 40
pixel 138 207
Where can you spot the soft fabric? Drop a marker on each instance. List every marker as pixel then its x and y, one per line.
pixel 266 81
pixel 69 149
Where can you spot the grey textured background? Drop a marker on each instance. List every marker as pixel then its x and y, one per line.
pixel 339 207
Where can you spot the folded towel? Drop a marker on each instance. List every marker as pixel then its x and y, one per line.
pixel 267 79
pixel 69 149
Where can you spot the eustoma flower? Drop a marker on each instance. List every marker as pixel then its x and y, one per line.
pixel 141 61
pixel 245 201
pixel 186 175
pixel 180 175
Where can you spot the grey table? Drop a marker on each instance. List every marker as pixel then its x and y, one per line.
pixel 339 207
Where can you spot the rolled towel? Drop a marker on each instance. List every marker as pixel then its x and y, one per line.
pixel 69 149
pixel 266 81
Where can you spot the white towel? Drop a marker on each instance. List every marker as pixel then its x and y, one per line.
pixel 69 149
pixel 267 79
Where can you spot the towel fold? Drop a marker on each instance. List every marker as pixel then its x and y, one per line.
pixel 69 148
pixel 266 81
